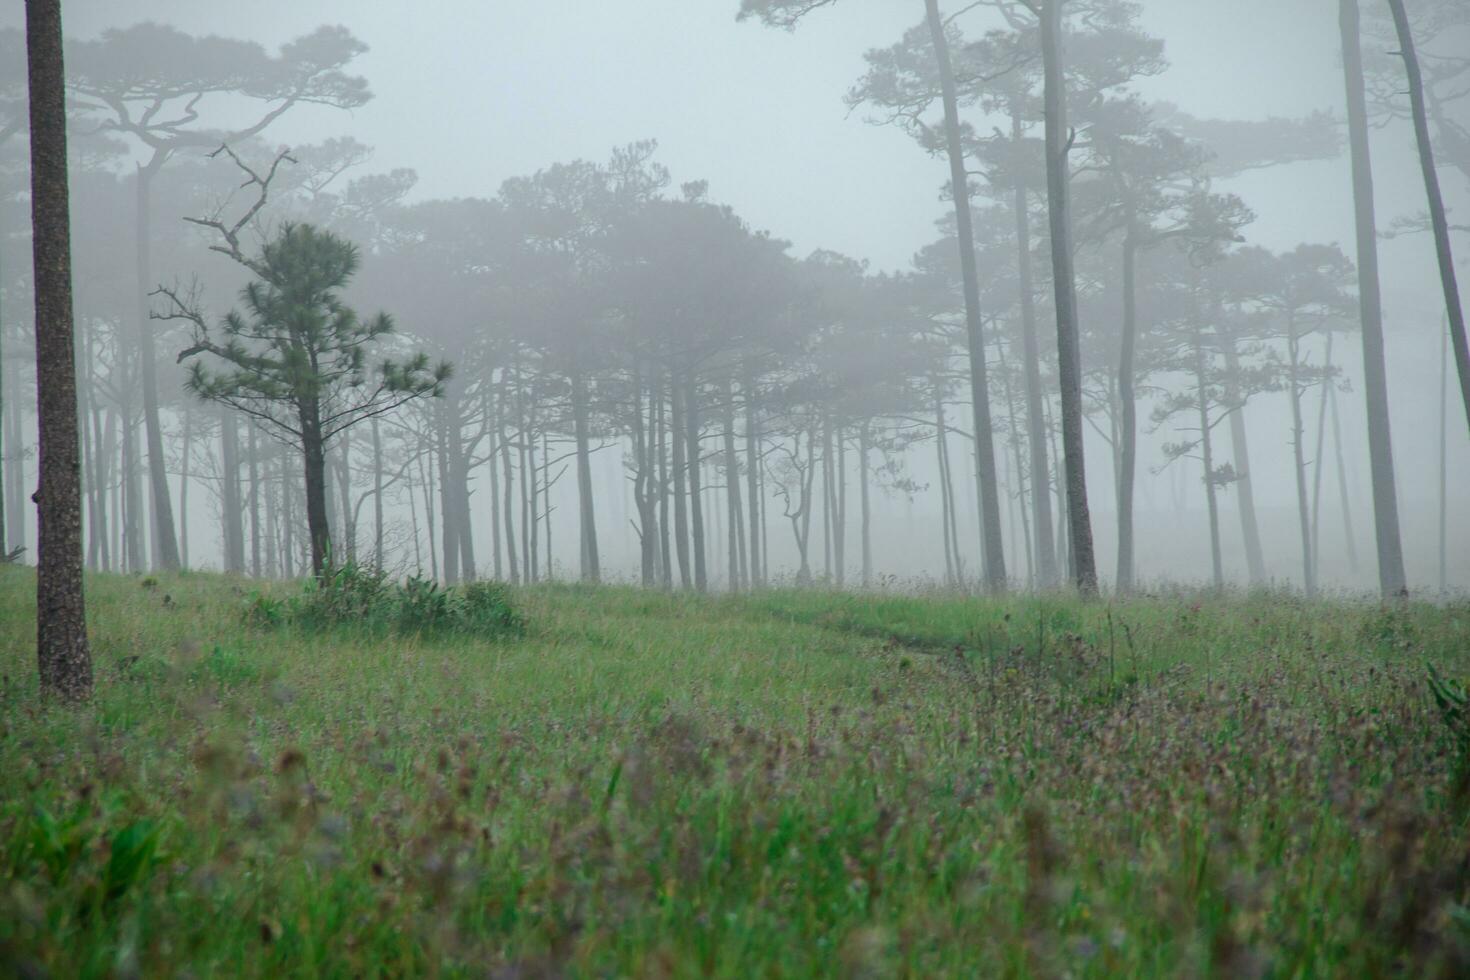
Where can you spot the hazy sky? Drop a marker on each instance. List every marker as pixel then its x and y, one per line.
pixel 469 92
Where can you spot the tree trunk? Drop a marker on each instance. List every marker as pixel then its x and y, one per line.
pixel 696 503
pixel 232 510
pixel 1127 413
pixel 184 489
pixel 254 468
pixel 1444 415
pixel 680 450
pixel 867 516
pixel 377 497
pixel 1045 547
pixel 732 492
pixel 752 477
pixel 1245 490
pixel 15 466
pixel 1442 247
pixel 1298 436
pixel 1391 579
pixel 1207 451
pixel 508 504
pixel 449 515
pixel 661 425
pixel 1069 348
pixel 989 503
pixel 62 654
pixel 165 545
pixel 1012 497
pixel 828 501
pixel 314 464
pixel 591 567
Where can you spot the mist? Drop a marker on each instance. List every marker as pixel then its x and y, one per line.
pixel 689 308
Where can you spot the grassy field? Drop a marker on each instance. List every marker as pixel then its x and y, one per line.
pixel 790 784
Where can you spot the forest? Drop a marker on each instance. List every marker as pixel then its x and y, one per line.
pixel 790 487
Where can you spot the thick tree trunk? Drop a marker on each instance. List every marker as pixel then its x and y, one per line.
pixel 1298 450
pixel 63 657
pixel 314 464
pixel 165 544
pixel 1128 413
pixel 1443 249
pixel 1069 347
pixel 992 547
pixel 1045 547
pixel 231 506
pixel 1391 579
pixel 591 566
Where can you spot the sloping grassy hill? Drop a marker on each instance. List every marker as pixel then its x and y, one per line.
pixel 788 784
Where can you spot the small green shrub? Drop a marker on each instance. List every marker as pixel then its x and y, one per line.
pixel 361 598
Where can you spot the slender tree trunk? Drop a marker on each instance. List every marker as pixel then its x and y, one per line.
pixel 232 509
pixel 15 466
pixel 1391 579
pixel 591 567
pixel 1444 415
pixel 839 553
pixel 952 567
pixel 1319 460
pixel 827 498
pixel 165 545
pixel 732 491
pixel 508 504
pixel 288 518
pixel 864 438
pixel 377 437
pixel 1045 548
pixel 1349 526
pixel 1298 449
pixel 1069 347
pixel 1208 453
pixel 449 516
pixel 251 451
pixel 1245 490
pixel 1443 249
pixel 4 467
pixel 460 468
pixel 681 445
pixel 661 423
pixel 1015 441
pixel 752 478
pixel 495 434
pixel 696 503
pixel 1128 413
pixel 992 546
pixel 63 657
pixel 184 489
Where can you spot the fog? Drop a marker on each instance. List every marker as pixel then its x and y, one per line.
pixel 640 231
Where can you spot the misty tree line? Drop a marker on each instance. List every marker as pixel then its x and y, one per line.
pixel 593 306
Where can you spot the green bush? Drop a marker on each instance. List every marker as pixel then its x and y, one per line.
pixel 361 598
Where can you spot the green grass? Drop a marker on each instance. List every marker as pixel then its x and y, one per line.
pixel 788 784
